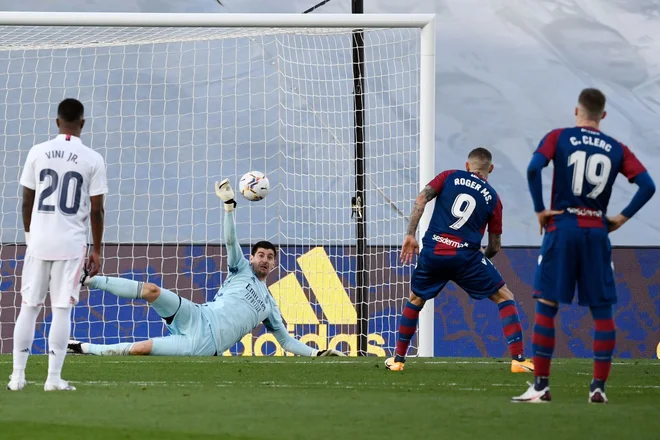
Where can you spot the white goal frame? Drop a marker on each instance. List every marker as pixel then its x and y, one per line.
pixel 425 22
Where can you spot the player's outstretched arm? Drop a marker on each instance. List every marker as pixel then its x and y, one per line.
pixel 292 345
pixel 275 325
pixel 234 255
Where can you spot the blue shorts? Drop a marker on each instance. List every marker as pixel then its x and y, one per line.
pixel 469 269
pixel 190 333
pixel 573 257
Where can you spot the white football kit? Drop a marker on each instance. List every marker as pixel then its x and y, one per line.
pixel 64 174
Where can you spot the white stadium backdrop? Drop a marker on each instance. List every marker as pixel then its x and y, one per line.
pixel 503 79
pixel 173 109
pixel 173 112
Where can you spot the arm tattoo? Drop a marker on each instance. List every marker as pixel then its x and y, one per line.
pixel 494 244
pixel 427 194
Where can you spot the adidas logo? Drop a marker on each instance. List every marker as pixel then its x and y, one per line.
pixel 327 287
pixel 333 300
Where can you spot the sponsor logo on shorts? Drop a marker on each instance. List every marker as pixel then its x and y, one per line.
pixel 585 212
pixel 449 242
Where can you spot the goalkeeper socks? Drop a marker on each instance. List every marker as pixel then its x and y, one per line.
pixel 122 349
pixel 407 327
pixel 604 343
pixel 58 337
pixel 23 337
pixel 543 341
pixel 121 287
pixel 512 329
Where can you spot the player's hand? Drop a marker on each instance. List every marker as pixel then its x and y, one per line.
pixel 226 194
pixel 614 223
pixel 94 264
pixel 410 247
pixel 330 353
pixel 545 216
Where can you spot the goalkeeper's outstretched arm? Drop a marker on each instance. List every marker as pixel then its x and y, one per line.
pixel 275 325
pixel 226 194
pixel 292 345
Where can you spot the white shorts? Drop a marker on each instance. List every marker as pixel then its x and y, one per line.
pixel 61 277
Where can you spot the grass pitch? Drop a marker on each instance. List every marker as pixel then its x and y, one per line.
pixel 305 398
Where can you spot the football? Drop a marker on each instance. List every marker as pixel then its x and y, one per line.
pixel 254 185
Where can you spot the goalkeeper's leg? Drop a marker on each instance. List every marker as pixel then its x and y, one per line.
pixel 163 301
pixel 173 345
pixel 183 318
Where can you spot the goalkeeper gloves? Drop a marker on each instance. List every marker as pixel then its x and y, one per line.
pixel 328 353
pixel 226 194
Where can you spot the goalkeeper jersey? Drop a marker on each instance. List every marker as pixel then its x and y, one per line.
pixel 243 301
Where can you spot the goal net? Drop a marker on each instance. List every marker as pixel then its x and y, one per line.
pixel 172 110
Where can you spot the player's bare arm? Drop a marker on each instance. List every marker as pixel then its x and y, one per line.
pixel 494 245
pixel 614 223
pixel 28 204
pixel 644 193
pixel 421 200
pixel 97 218
pixel 410 245
pixel 545 216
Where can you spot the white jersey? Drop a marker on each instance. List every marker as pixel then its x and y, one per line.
pixel 64 174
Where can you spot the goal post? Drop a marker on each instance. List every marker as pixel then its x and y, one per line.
pixel 176 101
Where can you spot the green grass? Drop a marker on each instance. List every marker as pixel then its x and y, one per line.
pixel 304 398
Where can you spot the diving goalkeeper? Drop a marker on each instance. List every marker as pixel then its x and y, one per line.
pixel 209 329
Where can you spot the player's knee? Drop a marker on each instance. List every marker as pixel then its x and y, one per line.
pixel 416 300
pixel 548 302
pixel 150 292
pixel 504 294
pixel 142 348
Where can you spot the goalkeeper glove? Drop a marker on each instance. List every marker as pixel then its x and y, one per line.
pixel 329 352
pixel 226 194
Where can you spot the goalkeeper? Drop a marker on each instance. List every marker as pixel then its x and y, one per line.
pixel 209 329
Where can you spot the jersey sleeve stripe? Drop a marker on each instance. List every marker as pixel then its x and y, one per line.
pixel 548 146
pixel 439 181
pixel 631 166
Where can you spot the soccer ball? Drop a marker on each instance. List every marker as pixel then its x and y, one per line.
pixel 254 185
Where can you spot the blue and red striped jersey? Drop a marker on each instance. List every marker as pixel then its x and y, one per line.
pixel 465 204
pixel 586 163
